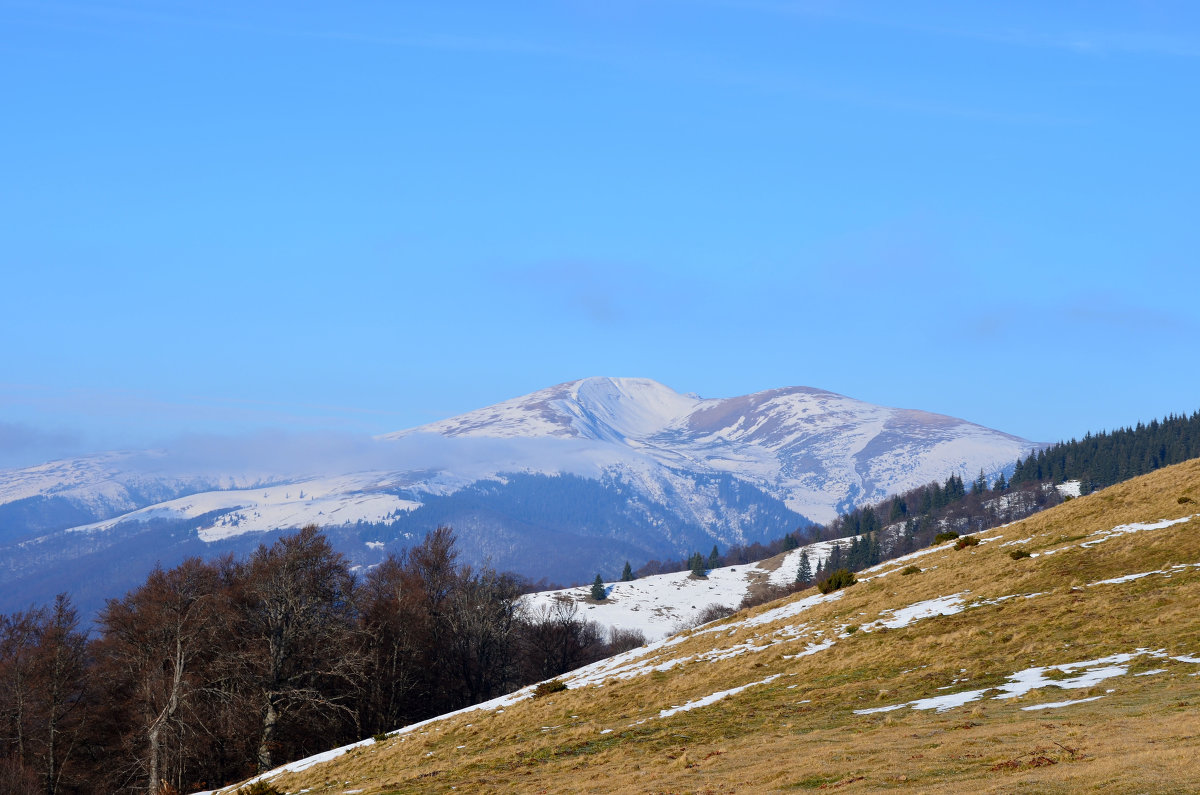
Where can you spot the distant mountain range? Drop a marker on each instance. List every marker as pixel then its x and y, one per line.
pixel 561 483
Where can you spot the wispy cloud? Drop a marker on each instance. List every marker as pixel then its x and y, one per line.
pixel 1083 40
pixel 1080 318
pixel 22 444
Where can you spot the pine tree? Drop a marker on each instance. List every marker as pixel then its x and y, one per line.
pixel 804 573
pixel 598 592
pixel 714 558
pixel 834 561
pixel 696 564
pixel 627 573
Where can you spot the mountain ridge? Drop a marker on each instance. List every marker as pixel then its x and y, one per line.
pixel 677 471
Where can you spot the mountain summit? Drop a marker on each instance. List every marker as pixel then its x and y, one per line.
pixel 560 483
pixel 818 451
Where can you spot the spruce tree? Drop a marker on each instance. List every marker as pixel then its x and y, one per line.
pixel 598 592
pixel 854 554
pixel 714 558
pixel 804 573
pixel 874 553
pixel 627 573
pixel 696 563
pixel 910 535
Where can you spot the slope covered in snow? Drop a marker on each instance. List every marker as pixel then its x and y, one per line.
pixel 661 604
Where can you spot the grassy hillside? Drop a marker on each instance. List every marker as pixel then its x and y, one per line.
pixel 952 678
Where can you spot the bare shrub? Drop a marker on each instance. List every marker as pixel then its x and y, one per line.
pixel 714 612
pixel 620 640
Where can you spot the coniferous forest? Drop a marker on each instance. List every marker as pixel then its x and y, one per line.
pixel 1100 460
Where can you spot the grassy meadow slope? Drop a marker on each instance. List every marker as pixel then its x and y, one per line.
pixel 1054 673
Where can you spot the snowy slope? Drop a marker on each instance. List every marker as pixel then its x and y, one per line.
pixel 322 501
pixel 660 604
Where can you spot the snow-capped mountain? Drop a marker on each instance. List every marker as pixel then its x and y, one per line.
pixel 559 483
pixel 818 451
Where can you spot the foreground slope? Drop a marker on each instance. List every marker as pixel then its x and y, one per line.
pixel 1076 668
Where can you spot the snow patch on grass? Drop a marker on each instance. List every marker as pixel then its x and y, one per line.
pixel 715 697
pixel 1057 704
pixel 1090 673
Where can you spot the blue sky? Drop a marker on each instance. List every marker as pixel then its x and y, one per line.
pixel 222 217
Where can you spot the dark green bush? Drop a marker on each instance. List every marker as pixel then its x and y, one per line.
pixel 851 629
pixel 911 570
pixel 837 580
pixel 966 541
pixel 1017 554
pixel 546 688
pixel 380 738
pixel 948 535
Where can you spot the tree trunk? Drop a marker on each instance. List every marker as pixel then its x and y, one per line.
pixel 270 721
pixel 153 743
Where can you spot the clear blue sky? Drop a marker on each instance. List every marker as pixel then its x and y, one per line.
pixel 365 216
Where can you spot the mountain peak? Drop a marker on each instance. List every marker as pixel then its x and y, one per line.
pixel 600 408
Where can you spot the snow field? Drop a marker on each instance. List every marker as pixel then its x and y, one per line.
pixel 321 501
pixel 661 604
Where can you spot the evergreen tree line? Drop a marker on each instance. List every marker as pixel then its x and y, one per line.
pixel 1104 459
pixel 736 555
pixel 211 671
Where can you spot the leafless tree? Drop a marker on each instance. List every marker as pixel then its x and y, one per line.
pixel 300 627
pixel 153 640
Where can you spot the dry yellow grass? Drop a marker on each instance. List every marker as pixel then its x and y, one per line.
pixel 800 732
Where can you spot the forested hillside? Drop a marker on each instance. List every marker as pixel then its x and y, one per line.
pixel 1100 460
pixel 211 670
